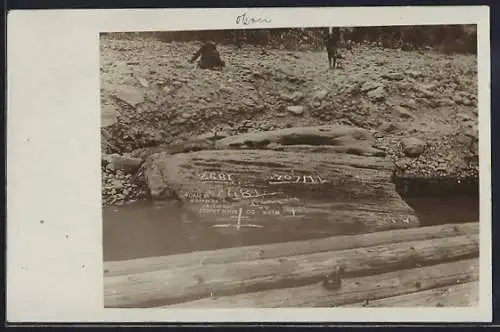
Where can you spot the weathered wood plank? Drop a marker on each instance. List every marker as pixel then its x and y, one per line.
pixel 356 292
pixel 190 283
pixel 461 295
pixel 276 250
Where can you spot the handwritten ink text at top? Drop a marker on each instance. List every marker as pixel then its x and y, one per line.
pixel 243 19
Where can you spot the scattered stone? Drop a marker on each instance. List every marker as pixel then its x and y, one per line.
pixel 379 94
pixel 214 135
pixel 117 184
pixel 387 127
pixel 116 162
pixel 393 76
pixel 142 81
pixel 353 89
pixel 424 91
pixel 369 86
pixel 464 139
pixel 457 98
pixel 445 102
pixel 403 112
pixel 467 102
pixel 320 94
pixel 413 147
pixel 297 96
pixel 414 74
pixel 109 115
pixel 131 95
pixel 474 148
pixel 226 89
pixel 464 117
pixel 410 102
pixel 297 110
pixel 273 146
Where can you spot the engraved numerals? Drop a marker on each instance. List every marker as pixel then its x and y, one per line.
pixel 217 176
pixel 303 179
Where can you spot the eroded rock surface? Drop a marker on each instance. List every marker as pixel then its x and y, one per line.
pixel 351 188
pixel 339 138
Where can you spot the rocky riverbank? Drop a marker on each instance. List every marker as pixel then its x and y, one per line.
pixel 420 108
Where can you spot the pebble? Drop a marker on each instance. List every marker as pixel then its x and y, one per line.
pixel 378 94
pixel 297 110
pixel 320 94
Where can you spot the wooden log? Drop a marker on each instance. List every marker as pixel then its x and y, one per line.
pixel 276 250
pixel 461 295
pixel 355 292
pixel 190 283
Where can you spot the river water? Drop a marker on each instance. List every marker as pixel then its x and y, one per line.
pixel 145 229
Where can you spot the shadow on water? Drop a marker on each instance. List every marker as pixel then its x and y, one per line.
pixel 441 201
pixel 145 229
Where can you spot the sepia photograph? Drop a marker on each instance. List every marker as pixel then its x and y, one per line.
pixel 301 167
pixel 249 165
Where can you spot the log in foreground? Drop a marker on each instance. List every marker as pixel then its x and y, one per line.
pixel 248 253
pixel 460 295
pixel 190 283
pixel 248 183
pixel 355 292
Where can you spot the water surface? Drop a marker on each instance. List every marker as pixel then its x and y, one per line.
pixel 145 229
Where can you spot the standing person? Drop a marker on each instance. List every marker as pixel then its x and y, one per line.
pixel 332 44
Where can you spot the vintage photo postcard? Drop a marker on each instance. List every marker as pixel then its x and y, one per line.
pixel 238 165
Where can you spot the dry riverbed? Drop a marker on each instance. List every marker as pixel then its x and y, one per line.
pixel 421 108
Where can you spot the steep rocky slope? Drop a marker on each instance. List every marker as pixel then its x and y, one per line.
pixel 420 107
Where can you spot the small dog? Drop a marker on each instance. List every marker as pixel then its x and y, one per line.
pixel 338 62
pixel 332 44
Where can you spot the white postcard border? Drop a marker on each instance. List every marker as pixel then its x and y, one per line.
pixel 54 219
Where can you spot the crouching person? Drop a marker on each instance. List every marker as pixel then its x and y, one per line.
pixel 209 57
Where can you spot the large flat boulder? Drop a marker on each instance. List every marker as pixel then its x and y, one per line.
pixel 237 188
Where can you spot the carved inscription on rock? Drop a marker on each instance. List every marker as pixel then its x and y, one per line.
pixel 216 177
pixel 291 178
pixel 236 199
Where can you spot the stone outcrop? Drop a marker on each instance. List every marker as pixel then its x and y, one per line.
pixel 233 187
pixel 344 139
